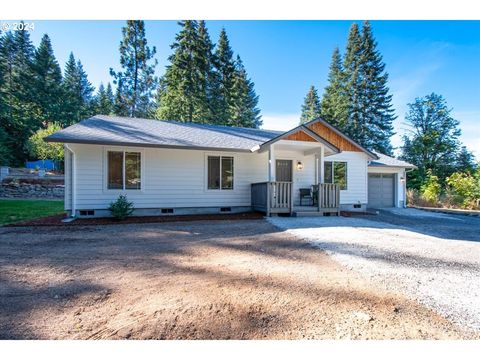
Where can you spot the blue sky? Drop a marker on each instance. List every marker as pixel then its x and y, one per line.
pixel 284 58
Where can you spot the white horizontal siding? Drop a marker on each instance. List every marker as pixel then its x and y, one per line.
pixel 356 191
pixel 170 177
pixel 177 178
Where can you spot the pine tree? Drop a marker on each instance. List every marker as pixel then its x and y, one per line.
pixel 17 112
pixel 183 90
pixel 226 73
pixel 138 81
pixel 334 104
pixel 78 92
pixel 243 108
pixel 354 126
pixel 104 100
pixel 5 151
pixel 120 104
pixel 204 86
pixel 47 84
pixel 357 98
pixel 210 78
pixel 311 106
pixel 465 161
pixel 376 102
pixel 432 143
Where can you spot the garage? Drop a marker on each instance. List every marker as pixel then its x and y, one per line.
pixel 381 190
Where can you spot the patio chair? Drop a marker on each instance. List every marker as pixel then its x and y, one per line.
pixel 306 193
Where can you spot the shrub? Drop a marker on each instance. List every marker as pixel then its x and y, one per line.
pixel 465 189
pixel 431 189
pixel 42 150
pixel 121 208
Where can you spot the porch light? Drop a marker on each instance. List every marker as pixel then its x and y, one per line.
pixel 402 179
pixel 299 165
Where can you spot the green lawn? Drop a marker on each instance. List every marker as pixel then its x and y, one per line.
pixel 12 211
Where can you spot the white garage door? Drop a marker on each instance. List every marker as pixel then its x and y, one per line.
pixel 381 190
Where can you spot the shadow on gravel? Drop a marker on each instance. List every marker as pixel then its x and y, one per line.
pixel 449 227
pixel 19 301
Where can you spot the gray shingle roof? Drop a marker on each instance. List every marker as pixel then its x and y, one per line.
pixel 384 160
pixel 112 130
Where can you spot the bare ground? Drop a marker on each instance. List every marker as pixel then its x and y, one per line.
pixel 197 280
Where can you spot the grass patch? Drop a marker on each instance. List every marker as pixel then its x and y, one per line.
pixel 12 211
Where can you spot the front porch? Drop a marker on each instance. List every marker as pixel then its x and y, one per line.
pixel 295 183
pixel 276 197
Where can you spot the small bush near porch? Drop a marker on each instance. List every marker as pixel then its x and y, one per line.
pixel 12 211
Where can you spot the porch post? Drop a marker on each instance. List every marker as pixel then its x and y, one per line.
pixel 320 164
pixel 271 163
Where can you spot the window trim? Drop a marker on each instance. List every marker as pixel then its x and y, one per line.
pixel 105 170
pixel 220 155
pixel 333 172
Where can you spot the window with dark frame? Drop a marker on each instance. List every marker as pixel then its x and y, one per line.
pixel 124 170
pixel 220 173
pixel 335 172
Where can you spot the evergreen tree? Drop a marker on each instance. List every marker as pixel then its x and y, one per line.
pixel 204 86
pixel 357 98
pixel 17 112
pixel 226 73
pixel 311 106
pixel 47 84
pixel 376 103
pixel 78 92
pixel 433 141
pixel 465 161
pixel 354 126
pixel 104 100
pixel 5 151
pixel 183 91
pixel 120 107
pixel 334 104
pixel 243 108
pixel 138 81
pixel 210 79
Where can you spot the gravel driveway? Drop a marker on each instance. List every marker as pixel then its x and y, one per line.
pixel 241 279
pixel 433 258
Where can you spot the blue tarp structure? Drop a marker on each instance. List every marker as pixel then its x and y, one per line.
pixel 41 164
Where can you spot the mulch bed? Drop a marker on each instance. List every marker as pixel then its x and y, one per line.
pixel 56 220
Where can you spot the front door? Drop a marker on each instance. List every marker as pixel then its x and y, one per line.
pixel 283 171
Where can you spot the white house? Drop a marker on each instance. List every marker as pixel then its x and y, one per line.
pixel 168 167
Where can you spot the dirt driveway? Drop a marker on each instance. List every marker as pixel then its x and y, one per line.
pixel 198 280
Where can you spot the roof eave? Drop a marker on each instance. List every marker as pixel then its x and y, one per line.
pixel 393 166
pixel 144 145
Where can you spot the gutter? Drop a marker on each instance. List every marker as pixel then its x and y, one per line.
pixel 73 210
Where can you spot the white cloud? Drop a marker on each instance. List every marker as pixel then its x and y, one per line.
pixel 282 122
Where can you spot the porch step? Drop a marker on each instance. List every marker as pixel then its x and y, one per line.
pixel 313 213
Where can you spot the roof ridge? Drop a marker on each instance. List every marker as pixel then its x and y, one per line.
pixel 177 122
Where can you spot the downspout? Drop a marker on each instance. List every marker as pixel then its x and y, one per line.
pixel 73 211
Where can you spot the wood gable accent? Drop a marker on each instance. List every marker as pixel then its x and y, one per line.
pixel 333 138
pixel 300 135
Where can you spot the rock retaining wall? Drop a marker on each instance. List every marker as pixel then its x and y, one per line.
pixel 46 190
